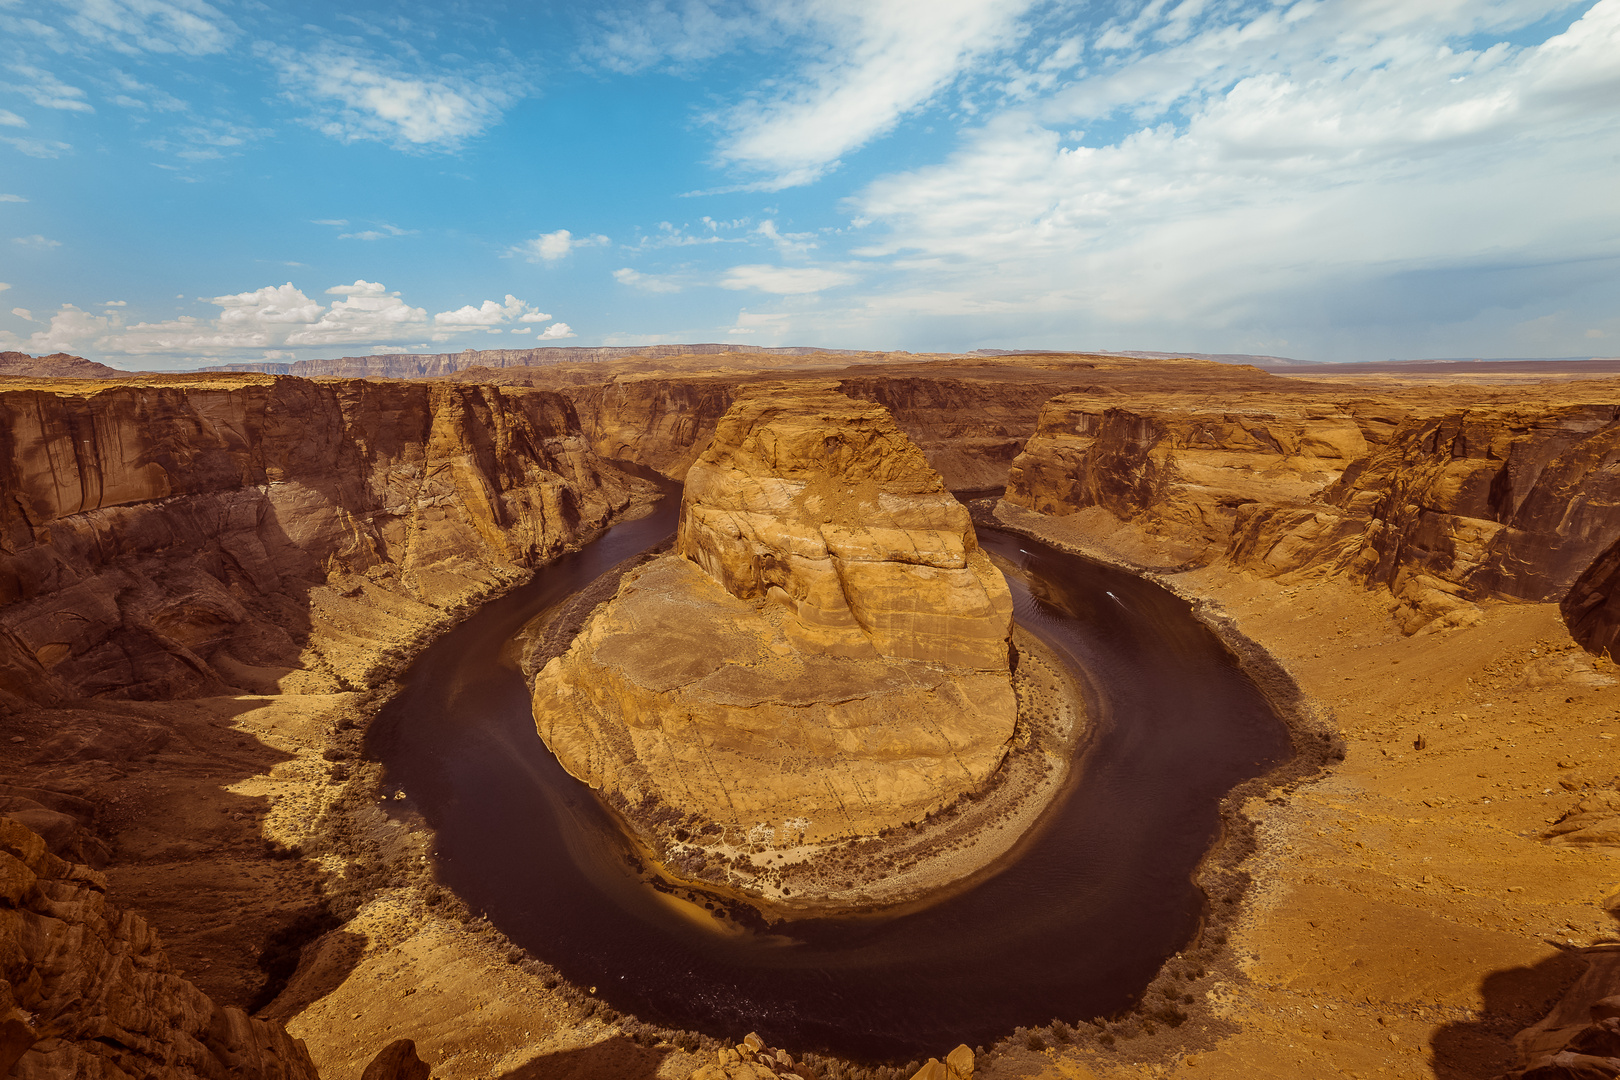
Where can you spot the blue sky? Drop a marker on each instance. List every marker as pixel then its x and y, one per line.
pixel 185 182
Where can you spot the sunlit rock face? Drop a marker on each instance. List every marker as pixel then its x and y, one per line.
pixel 825 654
pixel 821 503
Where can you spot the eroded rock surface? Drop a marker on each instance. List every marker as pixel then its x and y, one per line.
pixel 207 535
pixel 1440 506
pixel 87 990
pixel 825 654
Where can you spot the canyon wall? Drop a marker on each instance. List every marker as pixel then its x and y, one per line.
pixel 212 534
pixel 1441 505
pixel 969 429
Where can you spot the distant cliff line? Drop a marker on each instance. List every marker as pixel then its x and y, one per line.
pixel 426 365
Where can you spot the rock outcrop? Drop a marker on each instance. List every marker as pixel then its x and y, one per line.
pixel 210 534
pixel 88 992
pixel 825 654
pixel 1182 469
pixel 1441 506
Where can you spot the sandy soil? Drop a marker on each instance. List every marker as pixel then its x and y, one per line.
pixel 1409 915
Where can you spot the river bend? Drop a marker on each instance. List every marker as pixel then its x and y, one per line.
pixel 1073 927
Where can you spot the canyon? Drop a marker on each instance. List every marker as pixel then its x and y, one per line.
pixel 824 657
pixel 210 582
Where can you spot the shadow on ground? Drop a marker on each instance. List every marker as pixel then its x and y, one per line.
pixel 612 1059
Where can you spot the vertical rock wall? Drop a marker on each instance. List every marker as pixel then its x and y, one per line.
pixel 206 534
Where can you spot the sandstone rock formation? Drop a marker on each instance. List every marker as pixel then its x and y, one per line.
pixel 88 992
pixel 197 535
pixel 825 655
pixel 1441 506
pixel 1184 469
pixel 971 418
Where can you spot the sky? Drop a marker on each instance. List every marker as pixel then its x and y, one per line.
pixel 192 182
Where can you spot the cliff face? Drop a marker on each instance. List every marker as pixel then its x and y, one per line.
pixel 969 429
pixel 1440 506
pixel 203 535
pixel 825 655
pixel 85 989
pixel 1185 470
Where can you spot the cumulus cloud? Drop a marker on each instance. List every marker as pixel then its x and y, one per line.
pixel 36 241
pixel 22 312
pixel 489 314
pixel 11 119
pixel 281 319
pixel 353 95
pixel 558 330
pixel 784 280
pixel 551 246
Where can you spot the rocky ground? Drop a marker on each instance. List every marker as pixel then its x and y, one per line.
pixel 1419 904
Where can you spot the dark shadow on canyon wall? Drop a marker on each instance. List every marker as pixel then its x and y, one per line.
pixel 617 1058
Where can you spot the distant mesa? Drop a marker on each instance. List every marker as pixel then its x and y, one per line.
pixel 825 654
pixel 54 366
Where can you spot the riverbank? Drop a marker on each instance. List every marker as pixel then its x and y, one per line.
pixel 1405 912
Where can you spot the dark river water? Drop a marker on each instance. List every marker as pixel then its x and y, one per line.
pixel 1073 927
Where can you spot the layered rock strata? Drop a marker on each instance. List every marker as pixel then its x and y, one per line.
pixel 1440 506
pixel 87 990
pixel 825 654
pixel 204 535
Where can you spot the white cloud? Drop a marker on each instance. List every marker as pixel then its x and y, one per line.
pixel 38 148
pixel 22 312
pixel 47 91
pixel 278 321
pixel 337 222
pixel 188 27
pixel 36 241
pixel 551 246
pixel 489 314
pixel 675 35
pixel 12 198
pixel 647 282
pixel 4 286
pixel 115 303
pixel 354 95
pixel 784 280
pixel 384 231
pixel 787 243
pixel 11 119
pixel 1256 175
pixel 865 67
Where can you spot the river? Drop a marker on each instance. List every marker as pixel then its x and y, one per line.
pixel 1073 927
